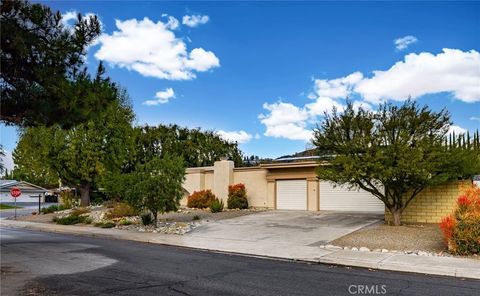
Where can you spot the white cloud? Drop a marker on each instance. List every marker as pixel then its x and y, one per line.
pixel 453 71
pixel 323 105
pixel 7 160
pixel 161 97
pixel 475 118
pixel 403 42
pixel 69 18
pixel 194 20
pixel 172 22
pixel 457 130
pixel 286 120
pixel 235 136
pixel 153 50
pixel 337 88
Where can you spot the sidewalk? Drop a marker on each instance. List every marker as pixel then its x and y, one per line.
pixel 448 266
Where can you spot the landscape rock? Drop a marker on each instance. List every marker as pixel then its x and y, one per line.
pixel 364 249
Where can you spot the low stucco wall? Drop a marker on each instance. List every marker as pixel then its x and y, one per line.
pixel 254 178
pixel 432 204
pixel 255 181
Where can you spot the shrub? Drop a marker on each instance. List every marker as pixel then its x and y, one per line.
pixel 237 197
pixel 49 210
pixel 120 210
pixel 70 220
pixel 147 219
pixel 62 207
pixel 200 199
pixel 68 199
pixel 216 205
pixel 125 222
pixel 80 211
pixel 461 229
pixel 196 218
pixel 108 224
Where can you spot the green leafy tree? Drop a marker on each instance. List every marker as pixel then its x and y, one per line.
pixel 82 155
pixel 44 80
pixel 196 147
pixel 157 185
pixel 393 153
pixel 31 158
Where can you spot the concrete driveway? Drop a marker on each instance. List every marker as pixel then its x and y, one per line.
pixel 286 228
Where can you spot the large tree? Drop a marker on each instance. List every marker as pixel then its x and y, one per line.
pixel 196 147
pixel 31 158
pixel 393 153
pixel 44 80
pixel 82 155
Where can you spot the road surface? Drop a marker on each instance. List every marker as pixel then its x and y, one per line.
pixel 40 263
pixel 25 209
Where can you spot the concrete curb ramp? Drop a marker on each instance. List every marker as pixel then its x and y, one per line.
pixel 446 266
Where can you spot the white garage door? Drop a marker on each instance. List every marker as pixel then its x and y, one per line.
pixel 292 195
pixel 341 199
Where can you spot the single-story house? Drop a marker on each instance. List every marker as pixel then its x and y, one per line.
pixel 29 192
pixel 295 186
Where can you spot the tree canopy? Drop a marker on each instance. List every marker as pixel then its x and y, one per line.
pixel 44 80
pixel 156 186
pixel 79 156
pixel 393 153
pixel 196 147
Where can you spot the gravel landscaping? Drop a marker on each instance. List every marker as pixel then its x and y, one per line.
pixel 424 237
pixel 180 222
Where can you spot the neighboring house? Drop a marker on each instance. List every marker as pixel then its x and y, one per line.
pixel 295 186
pixel 30 192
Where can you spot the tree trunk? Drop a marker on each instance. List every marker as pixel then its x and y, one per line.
pixel 155 217
pixel 85 195
pixel 396 214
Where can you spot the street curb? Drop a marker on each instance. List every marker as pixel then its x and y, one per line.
pixel 325 259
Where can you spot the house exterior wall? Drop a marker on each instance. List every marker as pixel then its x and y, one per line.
pixel 432 204
pixel 256 184
pixel 30 197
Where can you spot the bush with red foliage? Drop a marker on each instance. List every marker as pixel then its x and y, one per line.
pixel 200 199
pixel 461 230
pixel 237 197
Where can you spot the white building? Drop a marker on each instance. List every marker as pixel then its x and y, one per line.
pixel 30 192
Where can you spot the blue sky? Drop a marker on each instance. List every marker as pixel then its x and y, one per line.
pixel 264 72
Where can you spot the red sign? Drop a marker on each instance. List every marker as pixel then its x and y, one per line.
pixel 15 192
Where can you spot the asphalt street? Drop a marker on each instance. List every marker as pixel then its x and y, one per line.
pixel 38 263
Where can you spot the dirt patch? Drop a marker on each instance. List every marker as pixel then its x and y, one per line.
pixel 47 218
pixel 422 237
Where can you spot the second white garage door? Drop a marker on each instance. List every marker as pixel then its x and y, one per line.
pixel 292 195
pixel 342 199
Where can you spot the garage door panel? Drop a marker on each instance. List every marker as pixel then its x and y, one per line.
pixel 292 195
pixel 340 198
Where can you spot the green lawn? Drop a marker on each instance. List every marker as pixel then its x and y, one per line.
pixel 7 207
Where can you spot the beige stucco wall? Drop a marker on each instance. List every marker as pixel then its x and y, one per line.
pixel 430 206
pixel 209 180
pixel 256 184
pixel 312 195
